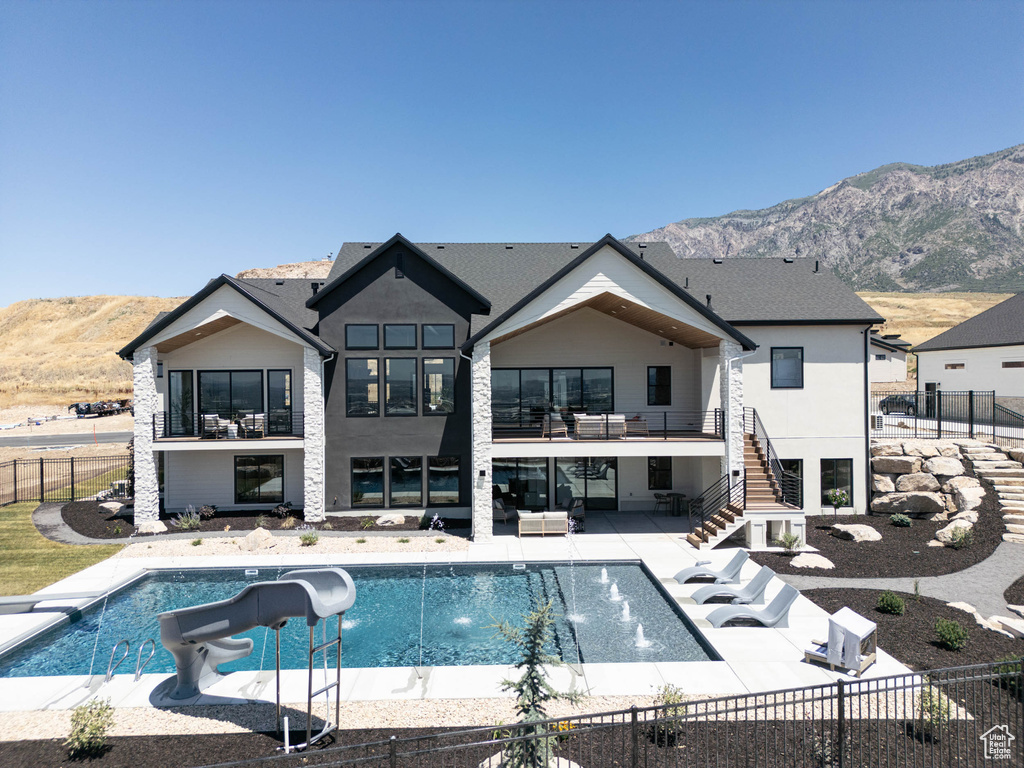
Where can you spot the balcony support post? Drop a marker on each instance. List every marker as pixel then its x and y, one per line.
pixel 483 516
pixel 147 491
pixel 731 382
pixel 314 436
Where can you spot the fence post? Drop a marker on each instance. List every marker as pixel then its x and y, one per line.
pixel 970 412
pixel 938 413
pixel 634 759
pixel 393 751
pixel 72 478
pixel 841 717
pixel 15 481
pixel 42 484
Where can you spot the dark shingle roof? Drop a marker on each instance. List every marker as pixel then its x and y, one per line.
pixel 1000 326
pixel 895 344
pixel 287 297
pixel 742 290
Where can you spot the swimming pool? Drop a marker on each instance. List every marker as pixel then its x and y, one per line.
pixel 453 607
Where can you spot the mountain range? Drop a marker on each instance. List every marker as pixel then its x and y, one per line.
pixel 900 227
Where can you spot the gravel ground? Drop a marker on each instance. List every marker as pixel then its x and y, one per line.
pixel 282 544
pixel 122 422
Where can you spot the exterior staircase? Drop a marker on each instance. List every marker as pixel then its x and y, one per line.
pixel 763 491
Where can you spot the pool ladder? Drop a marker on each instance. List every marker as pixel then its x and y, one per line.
pixel 334 684
pixel 139 663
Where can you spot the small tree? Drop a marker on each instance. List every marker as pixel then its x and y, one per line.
pixel 532 689
pixel 837 497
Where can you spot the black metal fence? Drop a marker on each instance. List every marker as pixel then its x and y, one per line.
pixel 964 716
pixel 940 414
pixel 63 480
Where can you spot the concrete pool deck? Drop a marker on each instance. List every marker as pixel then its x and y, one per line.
pixel 754 659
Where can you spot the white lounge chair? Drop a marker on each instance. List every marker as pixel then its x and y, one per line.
pixel 751 593
pixel 776 614
pixel 728 575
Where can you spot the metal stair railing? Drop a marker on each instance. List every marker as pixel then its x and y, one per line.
pixel 111 665
pixel 714 500
pixel 788 484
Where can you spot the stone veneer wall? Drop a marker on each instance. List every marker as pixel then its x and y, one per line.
pixel 314 436
pixel 483 515
pixel 731 388
pixel 147 489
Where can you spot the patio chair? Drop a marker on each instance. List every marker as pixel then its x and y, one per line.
pixel 776 614
pixel 499 511
pixel 730 574
pixel 661 501
pixel 752 592
pixel 616 423
pixel 254 425
pixel 214 425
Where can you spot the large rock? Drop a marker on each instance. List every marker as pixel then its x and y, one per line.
pixel 392 519
pixel 920 448
pixel 970 517
pixel 896 465
pixel 152 526
pixel 951 451
pixel 856 532
pixel 919 481
pixel 811 560
pixel 960 481
pixel 887 449
pixel 882 484
pixel 113 507
pixel 1017 454
pixel 258 539
pixel 945 535
pixel 917 504
pixel 968 498
pixel 944 465
pixel 1012 626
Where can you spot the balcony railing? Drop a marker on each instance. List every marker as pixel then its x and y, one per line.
pixel 541 424
pixel 258 426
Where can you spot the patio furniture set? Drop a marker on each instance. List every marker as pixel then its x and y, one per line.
pixel 247 426
pixel 543 521
pixel 595 427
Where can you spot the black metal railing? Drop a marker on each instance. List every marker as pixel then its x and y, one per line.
pixel 940 414
pixel 63 480
pixel 962 716
pixel 788 486
pixel 249 426
pixel 715 499
pixel 548 424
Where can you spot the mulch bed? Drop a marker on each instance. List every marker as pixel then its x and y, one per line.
pixel 87 519
pixel 911 637
pixel 1014 594
pixel 901 552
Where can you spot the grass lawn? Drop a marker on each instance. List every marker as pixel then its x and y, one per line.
pixel 29 562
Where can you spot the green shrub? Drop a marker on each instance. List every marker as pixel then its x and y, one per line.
pixel 439 541
pixel 308 536
pixel 900 521
pixel 117 530
pixel 328 526
pixel 196 542
pixel 188 520
pixel 208 511
pixel 425 521
pixel 261 521
pixel 89 725
pixel 673 699
pixel 890 602
pixel 789 541
pixel 1009 672
pixel 360 541
pixel 934 708
pixel 366 523
pixel 403 540
pixel 961 538
pixel 952 634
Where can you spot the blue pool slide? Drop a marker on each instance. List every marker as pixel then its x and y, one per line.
pixel 200 637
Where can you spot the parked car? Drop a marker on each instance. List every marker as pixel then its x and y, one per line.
pixel 906 404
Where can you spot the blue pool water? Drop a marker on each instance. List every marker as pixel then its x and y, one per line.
pixel 460 605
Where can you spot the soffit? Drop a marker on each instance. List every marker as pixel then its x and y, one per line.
pixel 195 334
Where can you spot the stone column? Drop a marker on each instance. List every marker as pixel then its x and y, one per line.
pixel 731 382
pixel 314 437
pixel 483 525
pixel 147 489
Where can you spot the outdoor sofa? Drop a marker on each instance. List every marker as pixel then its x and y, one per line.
pixel 543 522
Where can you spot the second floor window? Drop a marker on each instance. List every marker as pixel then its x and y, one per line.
pixel 399 337
pixel 400 386
pixel 659 385
pixel 438 386
pixel 787 367
pixel 362 394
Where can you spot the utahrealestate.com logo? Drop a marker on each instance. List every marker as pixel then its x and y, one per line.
pixel 997 742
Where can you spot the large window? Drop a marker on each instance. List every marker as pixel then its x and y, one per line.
pixel 279 402
pixel 406 485
pixel 259 479
pixel 400 386
pixel 231 394
pixel 182 403
pixel 368 482
pixel 438 336
pixel 361 337
pixel 438 386
pixel 362 394
pixel 443 480
pixel 593 479
pixel 522 483
pixel 399 337
pixel 659 385
pixel 787 367
pixel 659 473
pixel 836 474
pixel 522 396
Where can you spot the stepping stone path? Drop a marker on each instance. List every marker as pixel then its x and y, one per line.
pixel 1005 473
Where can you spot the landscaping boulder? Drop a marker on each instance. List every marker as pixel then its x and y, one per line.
pixel 887 449
pixel 882 483
pixel 1017 454
pixel 856 533
pixel 951 451
pixel 945 535
pixel 112 507
pixel 970 516
pixel 897 465
pixel 944 465
pixel 152 526
pixel 920 448
pixel 258 539
pixel 1012 626
pixel 388 520
pixel 960 481
pixel 916 504
pixel 811 560
pixel 969 498
pixel 919 481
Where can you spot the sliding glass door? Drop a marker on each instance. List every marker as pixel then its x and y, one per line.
pixel 593 479
pixel 230 394
pixel 279 402
pixel 521 396
pixel 182 403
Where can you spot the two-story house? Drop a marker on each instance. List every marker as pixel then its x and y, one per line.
pixel 443 375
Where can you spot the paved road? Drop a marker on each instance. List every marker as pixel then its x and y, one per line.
pixel 78 438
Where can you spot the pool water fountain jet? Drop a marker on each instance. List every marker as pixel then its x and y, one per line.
pixel 574 617
pixel 604 575
pixel 625 610
pixel 615 597
pixel 640 642
pixel 423 602
pixel 99 625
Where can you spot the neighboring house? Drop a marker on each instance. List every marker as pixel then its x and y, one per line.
pixel 888 358
pixel 983 353
pixel 440 376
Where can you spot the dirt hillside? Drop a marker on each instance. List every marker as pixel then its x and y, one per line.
pixel 918 317
pixel 59 351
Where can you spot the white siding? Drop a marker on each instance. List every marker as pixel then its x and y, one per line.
pixel 892 368
pixel 591 338
pixel 983 370
pixel 208 477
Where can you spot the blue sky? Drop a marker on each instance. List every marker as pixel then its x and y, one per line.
pixel 148 146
